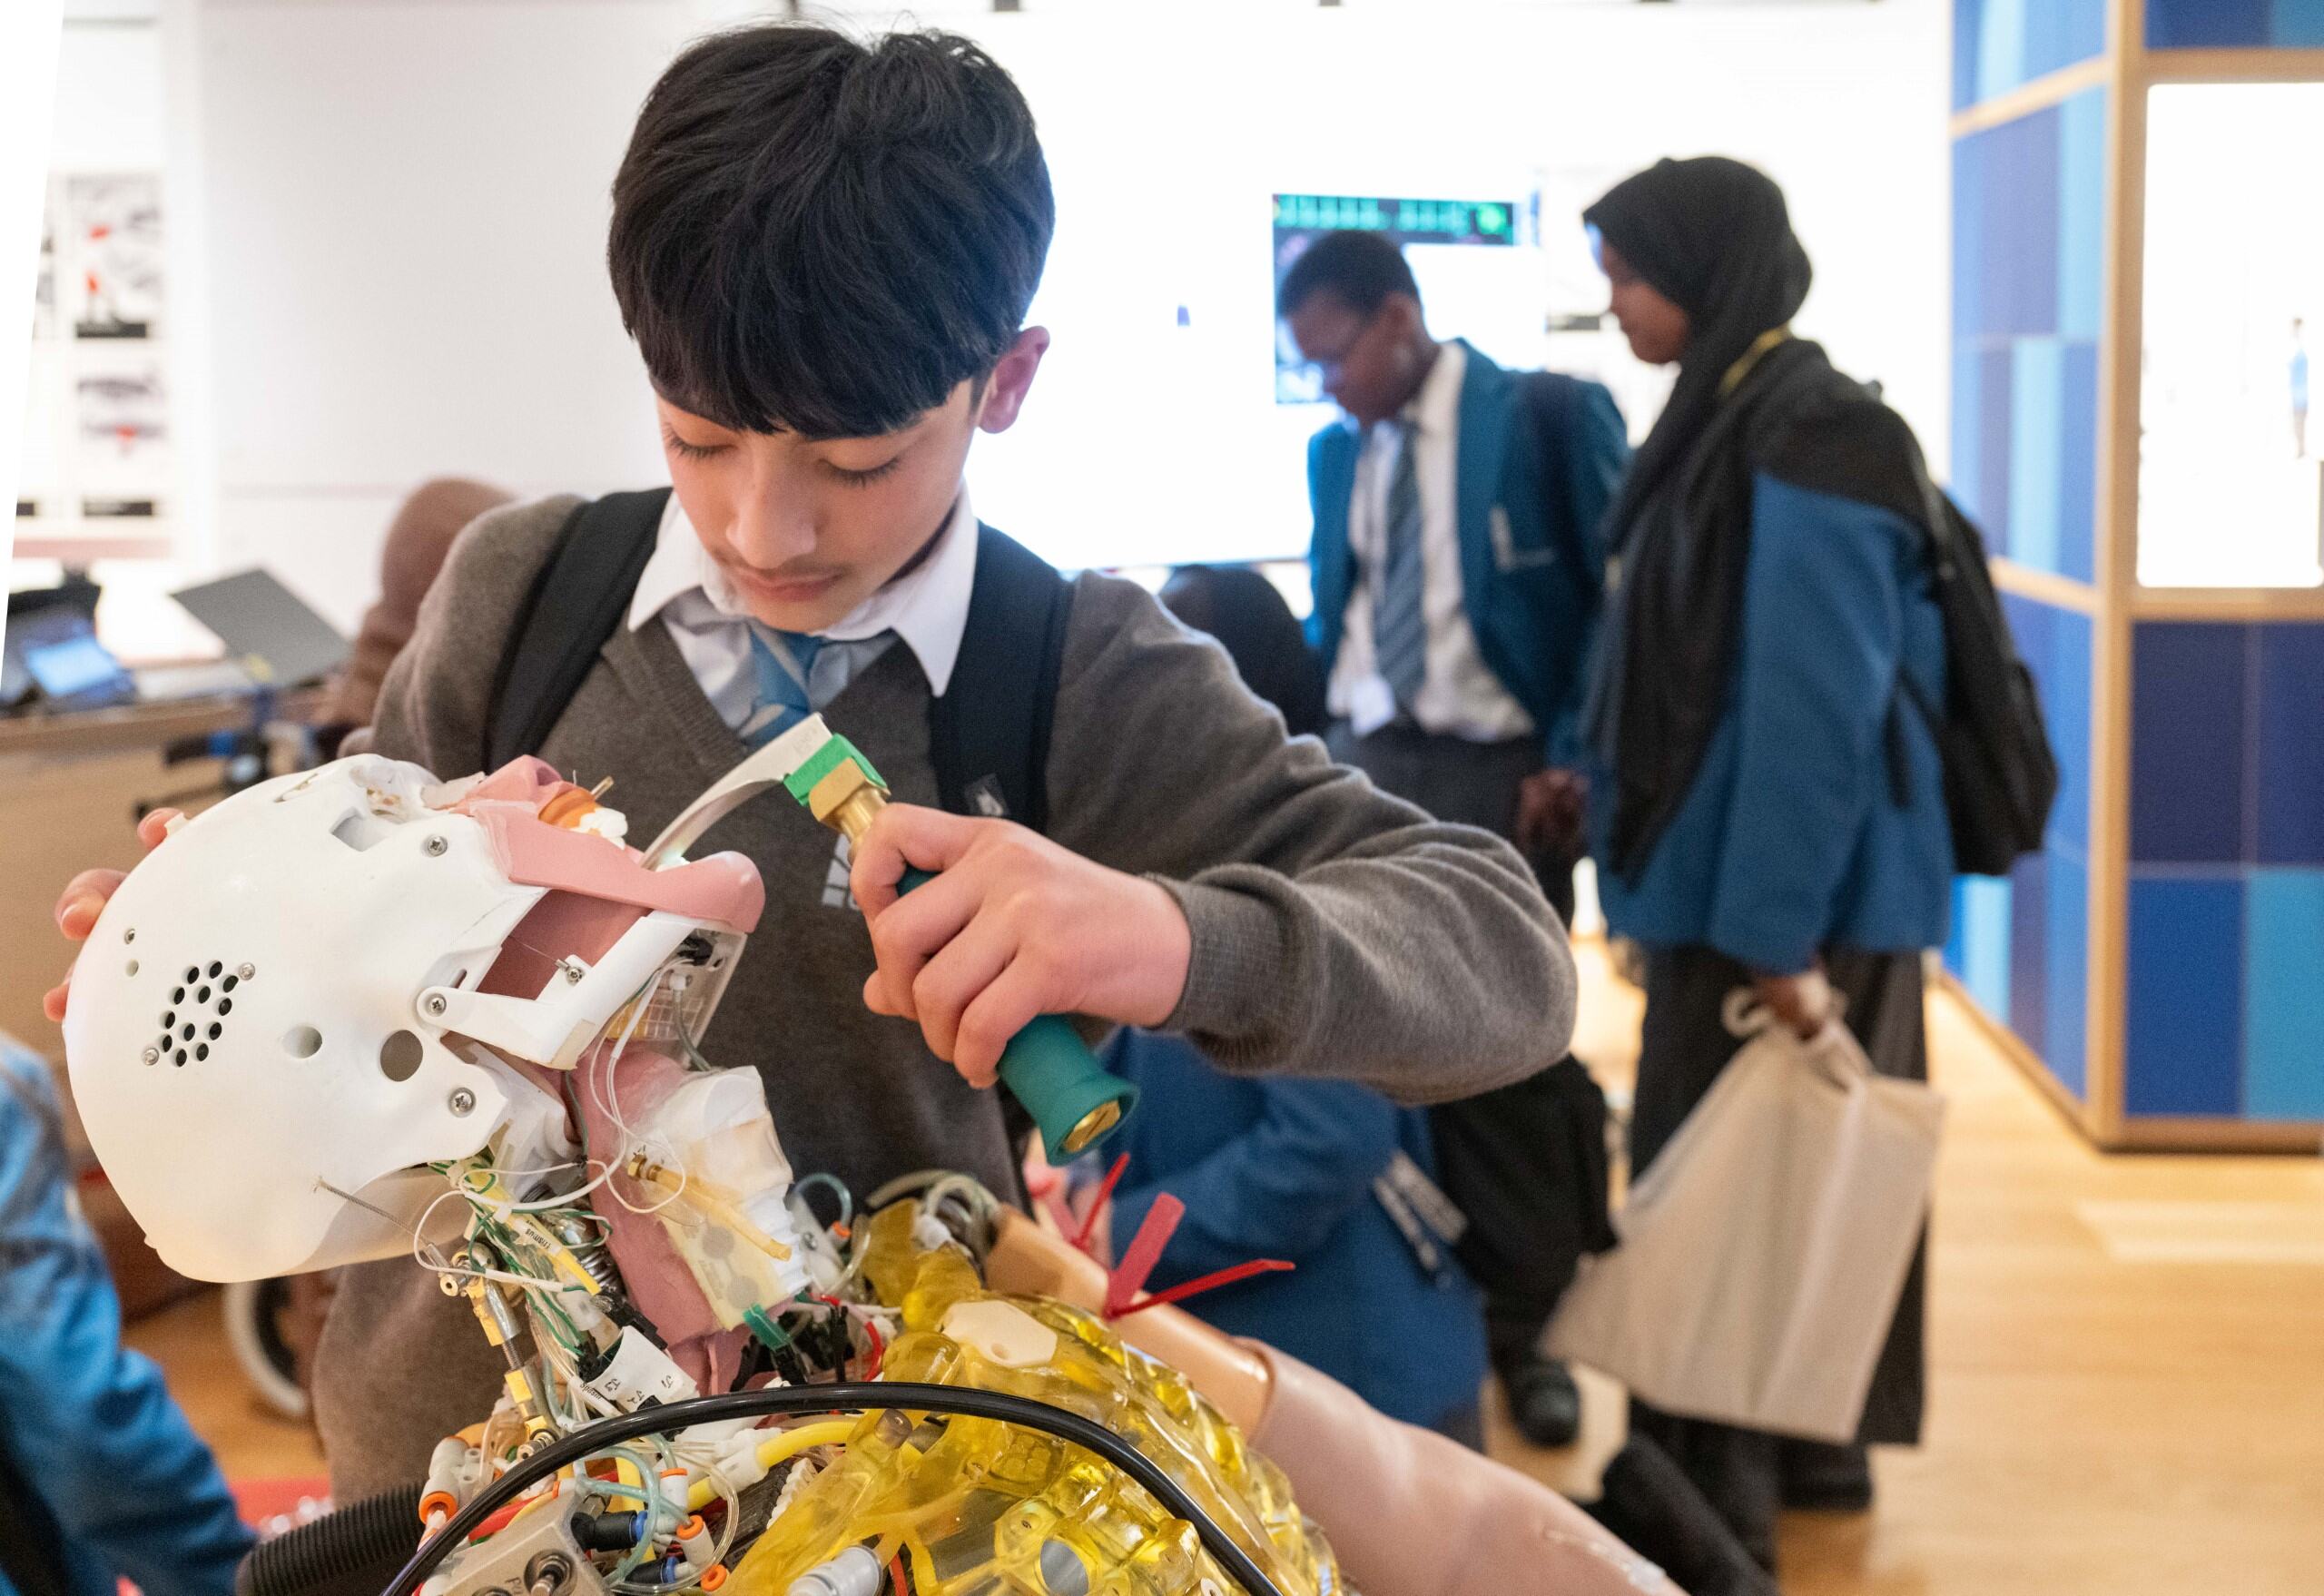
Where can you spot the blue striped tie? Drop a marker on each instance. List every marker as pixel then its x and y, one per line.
pixel 1399 629
pixel 782 700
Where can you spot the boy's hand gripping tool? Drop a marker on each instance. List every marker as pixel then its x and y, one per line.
pixel 1047 1065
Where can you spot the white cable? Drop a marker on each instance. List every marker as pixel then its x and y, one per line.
pixel 606 1091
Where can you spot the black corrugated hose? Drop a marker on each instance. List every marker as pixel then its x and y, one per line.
pixel 352 1552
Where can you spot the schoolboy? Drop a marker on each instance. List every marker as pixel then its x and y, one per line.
pixel 825 250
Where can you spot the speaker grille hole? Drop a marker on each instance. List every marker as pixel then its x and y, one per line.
pixel 399 1056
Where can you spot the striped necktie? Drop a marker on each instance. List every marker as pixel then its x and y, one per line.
pixel 782 701
pixel 1399 629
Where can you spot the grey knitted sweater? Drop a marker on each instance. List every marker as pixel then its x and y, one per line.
pixel 1336 931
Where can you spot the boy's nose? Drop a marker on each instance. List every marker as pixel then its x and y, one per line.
pixel 772 526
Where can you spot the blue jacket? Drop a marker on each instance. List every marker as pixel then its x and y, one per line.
pixel 1532 561
pixel 124 1485
pixel 1283 1168
pixel 1791 838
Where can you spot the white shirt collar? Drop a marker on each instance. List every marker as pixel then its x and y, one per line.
pixel 927 607
pixel 1437 404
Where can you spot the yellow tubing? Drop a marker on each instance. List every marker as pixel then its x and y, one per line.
pixel 709 1203
pixel 777 1448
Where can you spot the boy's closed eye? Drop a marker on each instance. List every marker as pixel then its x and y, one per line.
pixel 691 449
pixel 849 475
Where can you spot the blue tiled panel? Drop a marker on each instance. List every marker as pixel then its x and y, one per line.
pixel 2283 995
pixel 2028 263
pixel 2029 961
pixel 2005 241
pixel 1978 953
pixel 2290 734
pixel 2082 215
pixel 2184 1031
pixel 2021 948
pixel 2173 24
pixel 1981 437
pixel 2189 744
pixel 2037 434
pixel 2297 24
pixel 1998 45
pixel 2077 534
pixel 2056 644
pixel 2063 1041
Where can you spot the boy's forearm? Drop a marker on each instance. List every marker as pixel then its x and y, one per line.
pixel 1431 970
pixel 1336 932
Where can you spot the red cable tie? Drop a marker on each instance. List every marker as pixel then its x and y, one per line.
pixel 1105 1195
pixel 1210 1281
pixel 1129 1278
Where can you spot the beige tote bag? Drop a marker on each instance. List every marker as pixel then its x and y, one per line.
pixel 1763 1252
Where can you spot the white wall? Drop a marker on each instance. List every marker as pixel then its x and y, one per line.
pixel 28 49
pixel 113 113
pixel 404 203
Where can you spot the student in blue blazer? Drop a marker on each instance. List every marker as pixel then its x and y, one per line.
pixel 1292 1168
pixel 101 1479
pixel 1458 571
pixel 1767 802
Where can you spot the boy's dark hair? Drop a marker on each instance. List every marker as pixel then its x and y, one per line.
pixel 1361 269
pixel 1242 610
pixel 815 234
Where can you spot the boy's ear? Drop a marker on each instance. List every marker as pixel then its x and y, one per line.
pixel 1012 376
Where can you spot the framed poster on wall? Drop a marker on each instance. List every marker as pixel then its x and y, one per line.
pixel 99 463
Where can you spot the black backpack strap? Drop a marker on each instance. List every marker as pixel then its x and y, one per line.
pixel 988 734
pixel 577 601
pixel 1936 524
pixel 1548 404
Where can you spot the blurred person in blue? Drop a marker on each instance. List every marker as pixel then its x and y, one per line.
pixel 1457 568
pixel 101 1477
pixel 1767 800
pixel 1305 1170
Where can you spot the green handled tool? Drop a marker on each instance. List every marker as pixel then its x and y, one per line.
pixel 1047 1065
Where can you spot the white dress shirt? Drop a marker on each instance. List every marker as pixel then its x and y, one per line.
pixel 1460 696
pixel 927 607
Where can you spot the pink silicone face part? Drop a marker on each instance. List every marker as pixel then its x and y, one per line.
pixel 723 889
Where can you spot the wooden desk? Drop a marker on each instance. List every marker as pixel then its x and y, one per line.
pixel 69 788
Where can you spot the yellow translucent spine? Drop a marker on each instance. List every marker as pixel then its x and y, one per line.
pixel 983 1508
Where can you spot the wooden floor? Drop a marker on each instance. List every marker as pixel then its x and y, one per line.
pixel 2128 1380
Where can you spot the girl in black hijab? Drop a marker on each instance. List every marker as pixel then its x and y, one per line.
pixel 1767 804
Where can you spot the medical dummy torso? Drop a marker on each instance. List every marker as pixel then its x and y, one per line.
pixel 361 1014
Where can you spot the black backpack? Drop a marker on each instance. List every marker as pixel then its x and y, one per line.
pixel 2000 775
pixel 989 733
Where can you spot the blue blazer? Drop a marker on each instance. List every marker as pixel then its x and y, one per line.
pixel 1283 1168
pixel 1530 515
pixel 1791 838
pixel 125 1486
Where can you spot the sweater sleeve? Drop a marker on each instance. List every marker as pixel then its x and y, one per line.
pixel 437 697
pixel 1815 676
pixel 1337 932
